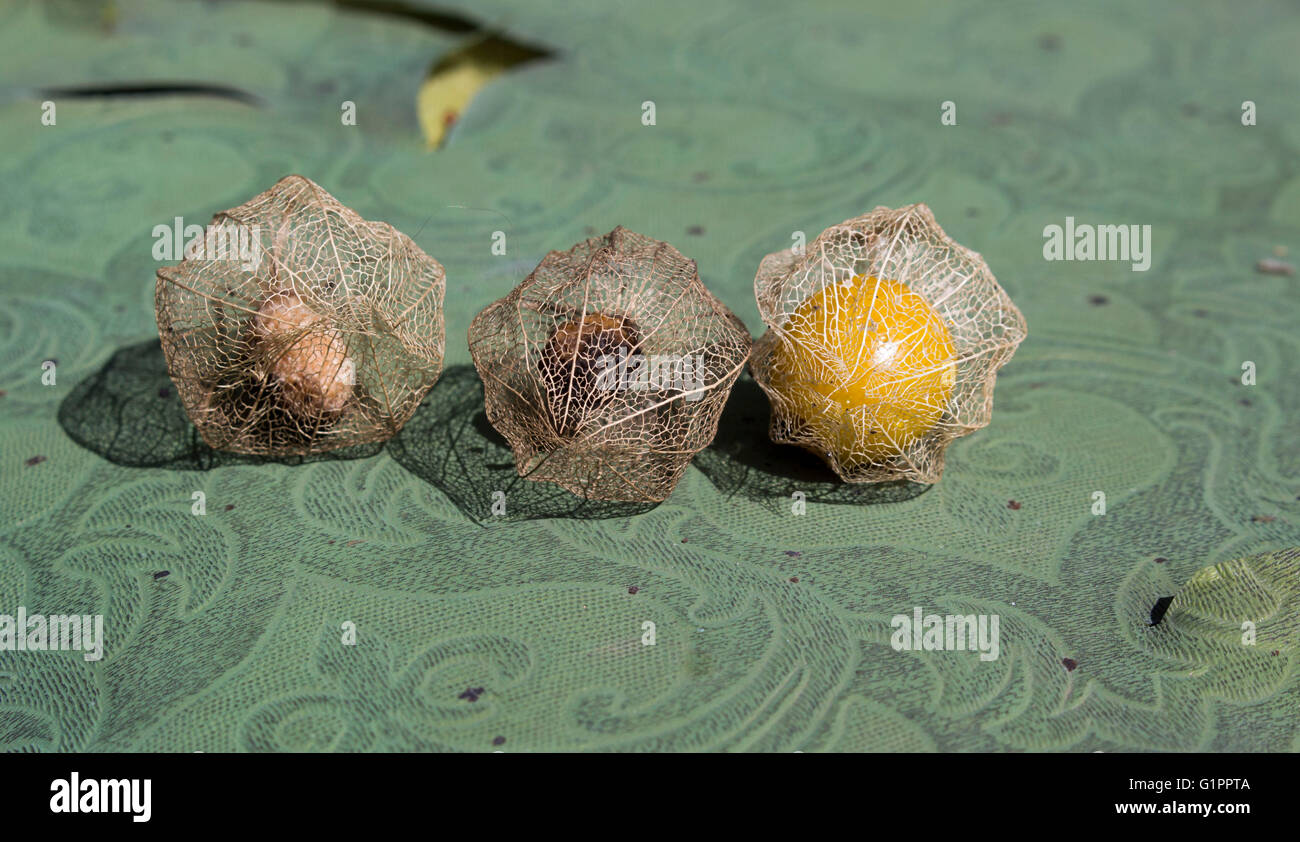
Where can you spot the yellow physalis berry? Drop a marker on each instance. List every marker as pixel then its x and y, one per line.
pixel 884 339
pixel 867 367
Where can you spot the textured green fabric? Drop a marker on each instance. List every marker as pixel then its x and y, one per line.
pixel 771 118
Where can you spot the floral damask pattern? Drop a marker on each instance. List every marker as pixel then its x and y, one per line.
pixel 375 602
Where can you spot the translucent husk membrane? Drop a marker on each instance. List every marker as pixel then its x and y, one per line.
pixel 878 406
pixel 327 332
pixel 607 368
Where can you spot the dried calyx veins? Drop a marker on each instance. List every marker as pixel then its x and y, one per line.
pixel 883 344
pixel 867 364
pixel 326 334
pixel 608 367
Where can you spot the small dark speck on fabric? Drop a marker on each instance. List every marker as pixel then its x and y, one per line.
pixel 1069 664
pixel 1013 505
pixel 35 460
pixel 1158 610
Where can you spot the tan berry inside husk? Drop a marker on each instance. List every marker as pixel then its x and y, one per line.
pixel 308 361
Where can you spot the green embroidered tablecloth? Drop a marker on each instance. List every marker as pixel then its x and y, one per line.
pixel 225 631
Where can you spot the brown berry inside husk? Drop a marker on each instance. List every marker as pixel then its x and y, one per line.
pixel 572 361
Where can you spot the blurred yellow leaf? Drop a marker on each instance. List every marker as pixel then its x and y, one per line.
pixel 457 78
